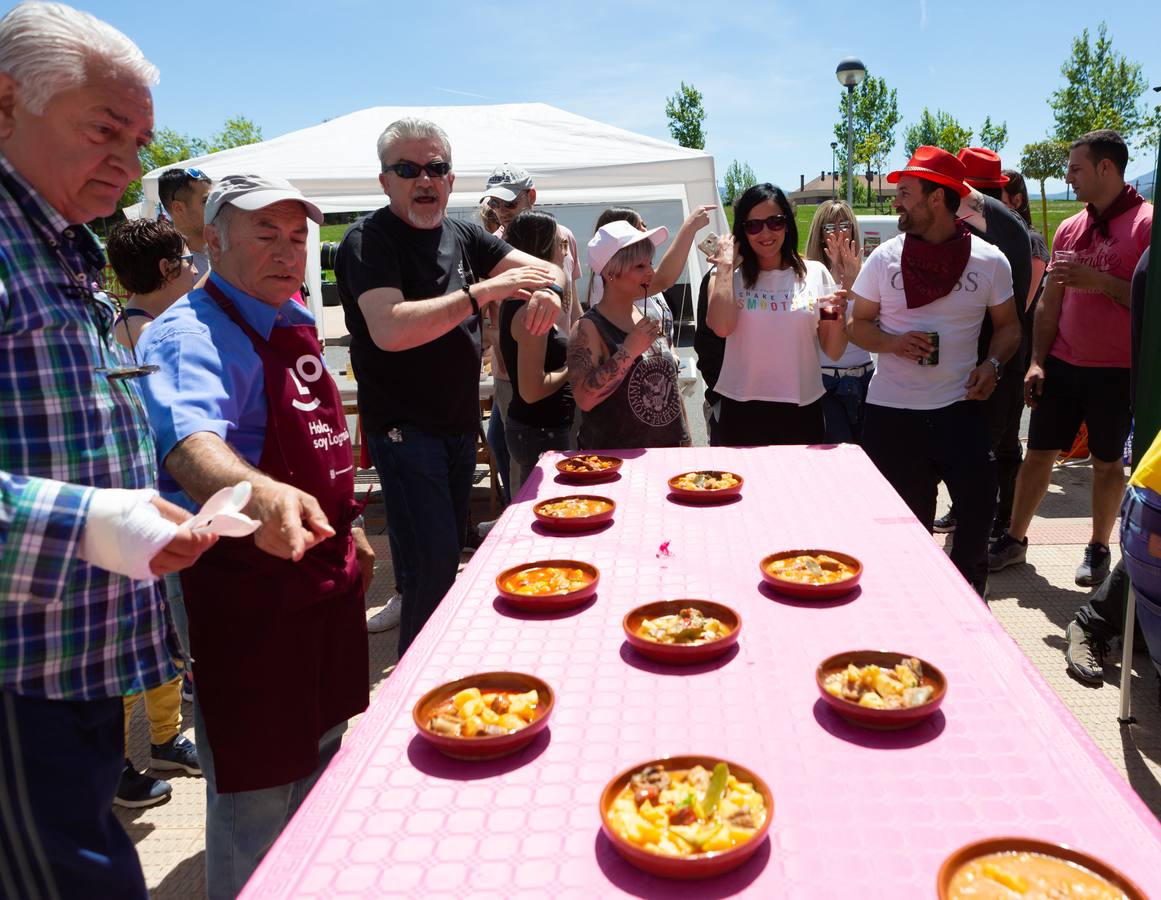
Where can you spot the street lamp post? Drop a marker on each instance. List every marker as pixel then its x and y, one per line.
pixel 833 178
pixel 850 73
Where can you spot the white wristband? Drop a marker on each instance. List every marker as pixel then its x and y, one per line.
pixel 124 531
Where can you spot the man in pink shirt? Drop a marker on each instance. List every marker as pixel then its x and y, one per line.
pixel 1081 347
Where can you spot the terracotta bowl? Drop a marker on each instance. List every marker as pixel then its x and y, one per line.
pixel 681 654
pixel 549 602
pixel 968 852
pixel 879 719
pixel 574 523
pixel 705 496
pixel 812 591
pixel 615 463
pixel 699 865
pixel 492 746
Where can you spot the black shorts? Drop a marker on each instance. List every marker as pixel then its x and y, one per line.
pixel 1095 395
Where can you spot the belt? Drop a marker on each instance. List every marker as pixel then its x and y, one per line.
pixel 836 372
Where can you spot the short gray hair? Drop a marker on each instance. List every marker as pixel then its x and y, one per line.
pixel 50 47
pixel 221 224
pixel 411 129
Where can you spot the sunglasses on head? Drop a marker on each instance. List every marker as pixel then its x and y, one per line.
pixel 755 226
pixel 197 175
pixel 832 227
pixel 409 170
pixel 496 203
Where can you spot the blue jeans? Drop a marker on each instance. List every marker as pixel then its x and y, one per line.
pixel 1140 527
pixel 176 600
pixel 842 406
pixel 427 482
pixel 527 442
pixel 242 826
pixel 497 438
pixel 59 765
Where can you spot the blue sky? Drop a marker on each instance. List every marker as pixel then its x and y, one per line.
pixel 766 69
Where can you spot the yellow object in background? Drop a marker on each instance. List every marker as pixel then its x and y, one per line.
pixel 1148 471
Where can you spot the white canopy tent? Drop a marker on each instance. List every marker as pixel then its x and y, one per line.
pixel 579 167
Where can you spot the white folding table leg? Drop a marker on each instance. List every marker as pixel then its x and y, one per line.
pixel 1127 655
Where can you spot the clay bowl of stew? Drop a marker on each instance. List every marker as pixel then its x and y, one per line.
pixel 969 853
pixel 681 653
pixel 804 590
pixel 581 467
pixel 880 719
pixel 705 495
pixel 576 512
pixel 695 866
pixel 484 746
pixel 514 585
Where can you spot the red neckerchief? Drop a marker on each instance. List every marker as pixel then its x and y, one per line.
pixel 1098 222
pixel 930 271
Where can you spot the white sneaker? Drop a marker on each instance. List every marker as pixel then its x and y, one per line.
pixel 484 527
pixel 388 617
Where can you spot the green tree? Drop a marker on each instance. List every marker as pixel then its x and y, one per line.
pixel 237 132
pixel 686 117
pixel 1102 90
pixel 1041 161
pixel 875 115
pixel 938 129
pixel 994 137
pixel 739 176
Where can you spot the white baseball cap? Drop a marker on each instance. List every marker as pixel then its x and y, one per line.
pixel 617 236
pixel 251 192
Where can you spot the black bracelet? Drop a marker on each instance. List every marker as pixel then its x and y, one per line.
pixel 467 289
pixel 555 288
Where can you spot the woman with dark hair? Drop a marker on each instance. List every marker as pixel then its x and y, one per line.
pixel 774 311
pixel 541 411
pixel 834 241
pixel 1014 194
pixel 623 378
pixel 153 264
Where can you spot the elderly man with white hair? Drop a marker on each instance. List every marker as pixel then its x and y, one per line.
pixel 413 283
pixel 276 623
pixel 83 535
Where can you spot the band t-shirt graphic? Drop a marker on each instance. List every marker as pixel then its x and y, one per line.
pixel 652 389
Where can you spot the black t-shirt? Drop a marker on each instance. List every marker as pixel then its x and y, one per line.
pixel 435 386
pixel 558 408
pixel 1007 231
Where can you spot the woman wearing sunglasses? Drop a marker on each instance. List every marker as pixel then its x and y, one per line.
pixel 541 410
pixel 769 306
pixel 153 264
pixel 835 242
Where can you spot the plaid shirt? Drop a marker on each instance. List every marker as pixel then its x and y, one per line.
pixel 68 630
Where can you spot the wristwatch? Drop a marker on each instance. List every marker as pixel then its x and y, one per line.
pixel 998 367
pixel 467 289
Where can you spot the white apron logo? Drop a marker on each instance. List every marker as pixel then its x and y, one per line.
pixel 308 369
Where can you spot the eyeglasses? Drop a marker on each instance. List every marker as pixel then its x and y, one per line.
pixel 197 175
pixel 410 170
pixel 832 227
pixel 185 258
pixel 755 226
pixel 496 203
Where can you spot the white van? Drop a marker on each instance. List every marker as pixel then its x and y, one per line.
pixel 876 230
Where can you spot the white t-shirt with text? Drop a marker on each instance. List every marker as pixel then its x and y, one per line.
pixel 902 383
pixel 772 353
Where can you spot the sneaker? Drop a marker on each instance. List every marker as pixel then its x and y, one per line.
pixel 484 527
pixel 187 687
pixel 998 529
pixel 136 789
pixel 388 617
pixel 945 524
pixel 178 752
pixel 1006 551
pixel 1095 567
pixel 1085 655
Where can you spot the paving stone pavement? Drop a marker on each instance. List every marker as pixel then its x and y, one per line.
pixel 1033 602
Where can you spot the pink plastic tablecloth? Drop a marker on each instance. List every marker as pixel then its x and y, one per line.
pixel 857 813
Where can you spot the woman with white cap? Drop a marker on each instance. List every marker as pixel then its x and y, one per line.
pixel 623 379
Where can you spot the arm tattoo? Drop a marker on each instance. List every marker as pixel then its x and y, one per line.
pixel 599 381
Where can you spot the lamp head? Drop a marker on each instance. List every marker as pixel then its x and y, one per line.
pixel 850 72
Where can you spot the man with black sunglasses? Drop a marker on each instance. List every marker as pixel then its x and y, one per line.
pixel 413 284
pixel 183 194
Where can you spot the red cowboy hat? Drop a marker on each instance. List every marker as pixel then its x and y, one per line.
pixel 934 164
pixel 983 167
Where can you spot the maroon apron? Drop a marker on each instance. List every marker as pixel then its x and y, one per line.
pixel 280 648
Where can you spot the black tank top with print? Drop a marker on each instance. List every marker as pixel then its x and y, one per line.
pixel 645 409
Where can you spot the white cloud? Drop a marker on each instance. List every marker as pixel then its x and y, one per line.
pixel 922 15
